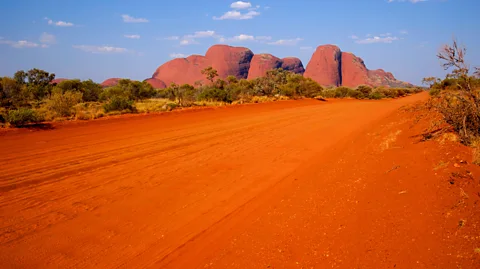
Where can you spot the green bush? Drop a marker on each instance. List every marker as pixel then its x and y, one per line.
pixel 119 104
pixel 357 94
pixel 91 91
pixel 164 94
pixel 365 90
pixel 214 94
pixel 186 95
pixel 328 93
pixel 376 96
pixel 22 116
pixel 342 92
pixel 128 89
pixel 309 88
pixel 62 103
pixel 136 90
pixel 113 92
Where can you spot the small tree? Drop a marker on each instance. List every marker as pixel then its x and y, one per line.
pixel 62 103
pixel 20 77
pixel 460 108
pixel 186 95
pixel 38 82
pixel 232 79
pixel 430 81
pixel 453 56
pixel 210 73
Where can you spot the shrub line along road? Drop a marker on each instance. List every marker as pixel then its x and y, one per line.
pixel 168 190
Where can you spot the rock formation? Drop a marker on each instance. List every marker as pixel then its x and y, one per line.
pixel 261 63
pixel 354 71
pixel 381 78
pixel 230 61
pixel 182 70
pixel 293 64
pixel 330 66
pixel 226 60
pixel 110 82
pixel 325 66
pixel 156 84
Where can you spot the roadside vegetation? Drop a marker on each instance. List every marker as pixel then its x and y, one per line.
pixel 31 97
pixel 457 97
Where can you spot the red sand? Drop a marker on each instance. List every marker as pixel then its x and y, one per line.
pixel 296 184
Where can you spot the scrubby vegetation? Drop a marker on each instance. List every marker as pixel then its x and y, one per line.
pixel 457 97
pixel 31 97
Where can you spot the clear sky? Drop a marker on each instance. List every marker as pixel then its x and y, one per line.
pixel 100 39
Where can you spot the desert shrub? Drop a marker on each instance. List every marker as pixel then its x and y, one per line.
pixel 365 90
pixel 118 103
pixel 91 91
pixel 375 95
pixel 287 90
pixel 388 93
pixel 90 110
pixel 128 89
pixel 357 94
pixel 401 92
pixel 186 95
pixel 309 88
pixel 136 90
pixel 328 93
pixel 459 97
pixel 461 111
pixel 417 90
pixel 170 106
pixel 22 116
pixel 214 94
pixel 14 94
pixel 62 103
pixel 165 94
pixel 151 105
pixel 113 92
pixel 342 92
pixel 434 92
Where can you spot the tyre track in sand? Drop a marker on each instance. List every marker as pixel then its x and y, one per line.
pixel 133 191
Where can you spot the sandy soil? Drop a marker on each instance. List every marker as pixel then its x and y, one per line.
pixel 294 184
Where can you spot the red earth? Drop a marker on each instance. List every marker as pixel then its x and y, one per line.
pixel 290 184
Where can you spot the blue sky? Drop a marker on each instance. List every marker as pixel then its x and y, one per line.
pixel 100 39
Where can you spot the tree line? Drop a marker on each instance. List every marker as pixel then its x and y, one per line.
pixel 31 96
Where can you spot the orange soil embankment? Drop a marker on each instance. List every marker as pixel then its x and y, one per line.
pixel 289 184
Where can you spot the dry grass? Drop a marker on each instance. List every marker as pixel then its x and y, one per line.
pixel 210 103
pixel 153 105
pixel 89 111
pixel 448 137
pixel 476 150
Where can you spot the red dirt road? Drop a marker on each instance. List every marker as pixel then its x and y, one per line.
pixel 278 185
